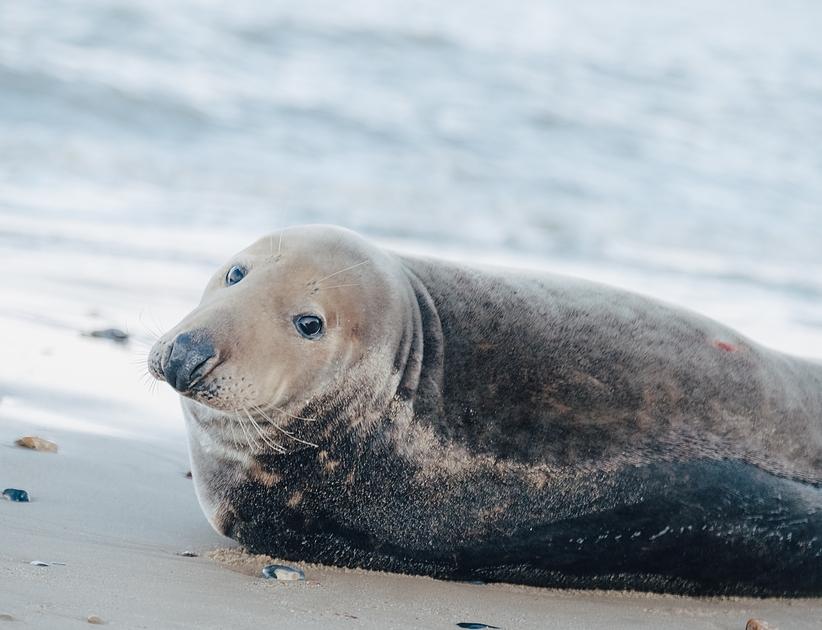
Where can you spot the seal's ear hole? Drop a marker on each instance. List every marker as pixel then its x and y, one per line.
pixel 309 326
pixel 235 274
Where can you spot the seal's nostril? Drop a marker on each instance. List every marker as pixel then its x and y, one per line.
pixel 189 352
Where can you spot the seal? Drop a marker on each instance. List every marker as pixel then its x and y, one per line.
pixel 352 406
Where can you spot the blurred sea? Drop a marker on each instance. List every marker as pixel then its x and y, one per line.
pixel 674 148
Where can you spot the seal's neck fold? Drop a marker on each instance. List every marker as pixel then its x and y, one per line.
pixel 422 380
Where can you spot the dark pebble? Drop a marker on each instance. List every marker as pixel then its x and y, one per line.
pixel 114 334
pixel 187 554
pixel 283 573
pixel 189 475
pixel 473 625
pixel 13 494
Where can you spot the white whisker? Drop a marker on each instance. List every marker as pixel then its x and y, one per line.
pixel 342 270
pixel 290 415
pixel 153 328
pixel 339 286
pixel 245 431
pixel 259 431
pixel 233 433
pixel 280 429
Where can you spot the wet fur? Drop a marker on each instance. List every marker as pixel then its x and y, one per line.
pixel 544 431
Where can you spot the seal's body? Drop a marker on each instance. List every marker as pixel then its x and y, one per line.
pixel 495 425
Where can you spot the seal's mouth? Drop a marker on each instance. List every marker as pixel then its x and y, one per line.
pixel 185 362
pixel 199 375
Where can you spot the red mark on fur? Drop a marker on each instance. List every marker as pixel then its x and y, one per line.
pixel 723 345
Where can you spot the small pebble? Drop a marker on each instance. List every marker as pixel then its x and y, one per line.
pixel 6 617
pixel 473 625
pixel 187 554
pixel 283 573
pixel 98 621
pixel 36 444
pixel 189 475
pixel 39 563
pixel 13 494
pixel 755 624
pixel 114 334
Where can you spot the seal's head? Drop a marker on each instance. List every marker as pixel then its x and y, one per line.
pixel 286 322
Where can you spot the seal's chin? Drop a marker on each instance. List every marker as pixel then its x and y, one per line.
pixel 222 391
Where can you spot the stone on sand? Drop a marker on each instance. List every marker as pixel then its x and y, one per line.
pixel 36 444
pixel 283 573
pixel 16 495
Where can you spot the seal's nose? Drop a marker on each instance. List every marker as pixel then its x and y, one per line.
pixel 189 353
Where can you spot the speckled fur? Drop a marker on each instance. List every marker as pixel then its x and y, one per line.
pixel 515 426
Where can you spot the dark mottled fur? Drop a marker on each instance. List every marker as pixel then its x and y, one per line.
pixel 602 440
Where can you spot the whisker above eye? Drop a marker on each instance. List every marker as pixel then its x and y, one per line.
pixel 331 275
pixel 339 286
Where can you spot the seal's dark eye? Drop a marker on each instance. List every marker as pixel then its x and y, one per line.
pixel 234 275
pixel 309 326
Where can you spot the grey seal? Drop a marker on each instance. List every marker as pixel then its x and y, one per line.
pixel 353 406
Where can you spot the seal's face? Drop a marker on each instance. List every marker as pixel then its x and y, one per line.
pixel 279 322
